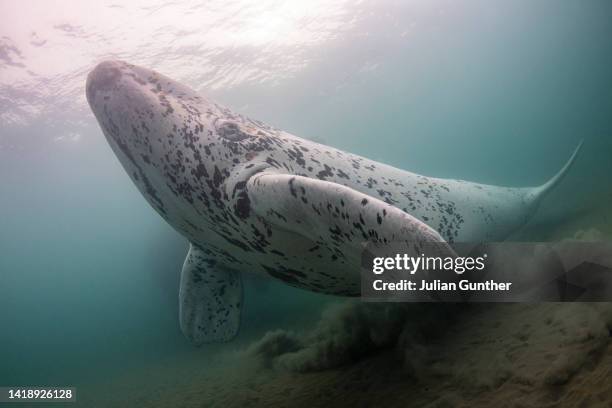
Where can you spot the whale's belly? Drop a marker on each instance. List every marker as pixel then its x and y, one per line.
pixel 294 259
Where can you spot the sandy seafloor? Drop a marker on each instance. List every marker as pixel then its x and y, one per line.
pixel 399 355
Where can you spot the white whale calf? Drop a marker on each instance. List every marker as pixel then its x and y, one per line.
pixel 251 198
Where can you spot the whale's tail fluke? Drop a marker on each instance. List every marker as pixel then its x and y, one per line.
pixel 535 194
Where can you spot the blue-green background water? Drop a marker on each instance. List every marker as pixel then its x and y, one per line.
pixel 491 91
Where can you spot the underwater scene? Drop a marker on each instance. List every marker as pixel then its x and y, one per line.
pixel 185 187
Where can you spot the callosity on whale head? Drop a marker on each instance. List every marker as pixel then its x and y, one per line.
pixel 251 198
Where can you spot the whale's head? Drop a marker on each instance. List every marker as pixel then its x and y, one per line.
pixel 178 147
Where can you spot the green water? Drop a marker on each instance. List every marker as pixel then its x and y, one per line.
pixel 490 91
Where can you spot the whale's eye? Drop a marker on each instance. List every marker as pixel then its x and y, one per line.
pixel 231 131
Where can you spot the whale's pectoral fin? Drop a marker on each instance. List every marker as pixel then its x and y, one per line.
pixel 210 299
pixel 333 212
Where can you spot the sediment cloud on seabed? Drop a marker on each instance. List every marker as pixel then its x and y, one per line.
pixel 477 345
pixel 350 331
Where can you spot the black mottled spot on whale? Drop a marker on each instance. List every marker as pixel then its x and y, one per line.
pixel 342 174
pixel 243 205
pixel 323 174
pixel 200 171
pixel 292 188
pixel 272 162
pixel 217 177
